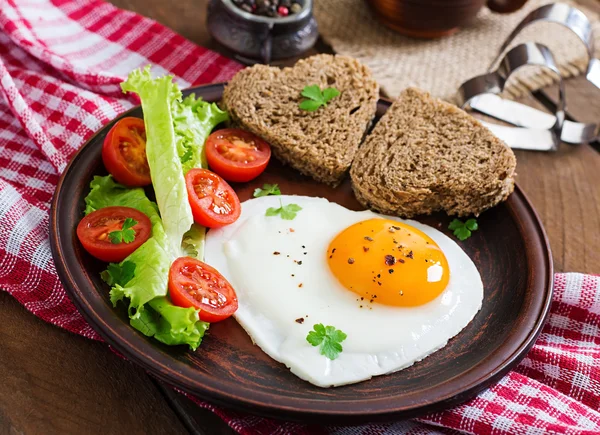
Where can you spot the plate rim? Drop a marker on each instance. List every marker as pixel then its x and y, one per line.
pixel 157 363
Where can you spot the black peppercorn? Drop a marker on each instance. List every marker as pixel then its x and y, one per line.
pixel 272 11
pixel 269 8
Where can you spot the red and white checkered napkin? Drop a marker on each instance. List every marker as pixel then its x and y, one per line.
pixel 61 62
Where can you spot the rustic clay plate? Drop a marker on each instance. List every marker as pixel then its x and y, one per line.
pixel 510 251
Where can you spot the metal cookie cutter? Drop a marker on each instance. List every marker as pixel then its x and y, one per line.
pixel 482 92
pixel 528 117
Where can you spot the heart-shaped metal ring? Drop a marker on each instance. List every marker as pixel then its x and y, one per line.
pixel 481 93
pixel 528 117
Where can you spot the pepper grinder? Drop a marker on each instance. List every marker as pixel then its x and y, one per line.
pixel 256 38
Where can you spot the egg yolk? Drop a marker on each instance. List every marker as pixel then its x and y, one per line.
pixel 388 262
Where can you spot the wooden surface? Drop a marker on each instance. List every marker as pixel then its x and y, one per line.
pixel 57 382
pixel 54 382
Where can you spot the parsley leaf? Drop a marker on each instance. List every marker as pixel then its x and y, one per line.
pixel 119 273
pixel 125 234
pixel 316 98
pixel 471 224
pixel 328 338
pixel 462 233
pixel 462 230
pixel 267 189
pixel 287 212
pixel 312 92
pixel 455 224
pixel 310 105
pixel 272 211
pixel 330 93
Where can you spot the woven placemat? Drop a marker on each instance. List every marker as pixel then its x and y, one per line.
pixel 440 66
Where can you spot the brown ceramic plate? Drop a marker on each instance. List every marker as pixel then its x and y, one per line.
pixel 510 251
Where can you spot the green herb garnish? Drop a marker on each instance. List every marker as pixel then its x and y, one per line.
pixel 267 189
pixel 316 98
pixel 328 338
pixel 287 212
pixel 462 230
pixel 119 274
pixel 125 234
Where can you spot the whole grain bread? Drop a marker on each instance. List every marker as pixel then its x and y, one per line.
pixel 426 155
pixel 321 144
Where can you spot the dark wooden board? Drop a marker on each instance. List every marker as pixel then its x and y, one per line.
pixel 55 382
pixel 510 252
pixel 565 189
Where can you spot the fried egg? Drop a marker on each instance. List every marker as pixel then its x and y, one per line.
pixel 397 288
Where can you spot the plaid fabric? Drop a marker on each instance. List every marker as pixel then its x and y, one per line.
pixel 61 63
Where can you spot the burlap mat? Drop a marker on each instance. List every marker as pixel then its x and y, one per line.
pixel 440 66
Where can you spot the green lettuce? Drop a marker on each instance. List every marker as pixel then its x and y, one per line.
pixel 170 324
pixel 194 119
pixel 158 96
pixel 152 260
pixel 106 192
pixel 176 130
pixel 142 277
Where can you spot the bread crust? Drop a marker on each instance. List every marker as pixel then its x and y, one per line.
pixel 320 144
pixel 426 155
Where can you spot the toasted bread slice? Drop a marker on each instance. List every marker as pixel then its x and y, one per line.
pixel 426 155
pixel 322 143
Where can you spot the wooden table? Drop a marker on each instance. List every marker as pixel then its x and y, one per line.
pixel 55 382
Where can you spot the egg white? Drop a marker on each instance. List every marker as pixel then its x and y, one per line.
pixel 381 339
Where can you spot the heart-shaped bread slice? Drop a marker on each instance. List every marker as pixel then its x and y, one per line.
pixel 426 155
pixel 323 143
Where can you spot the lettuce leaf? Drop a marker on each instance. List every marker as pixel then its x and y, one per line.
pixel 152 260
pixel 176 130
pixel 194 119
pixel 150 311
pixel 106 192
pixel 170 324
pixel 158 96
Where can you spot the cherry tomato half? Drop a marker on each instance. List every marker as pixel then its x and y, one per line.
pixel 124 153
pixel 94 229
pixel 193 283
pixel 213 201
pixel 237 155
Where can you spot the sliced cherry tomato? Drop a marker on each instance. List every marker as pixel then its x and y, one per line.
pixel 214 203
pixel 124 153
pixel 237 155
pixel 193 283
pixel 94 229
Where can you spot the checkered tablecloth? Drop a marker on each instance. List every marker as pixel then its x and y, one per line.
pixel 61 62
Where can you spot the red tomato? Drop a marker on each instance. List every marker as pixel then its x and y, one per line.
pixel 213 201
pixel 237 155
pixel 124 153
pixel 193 283
pixel 93 232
